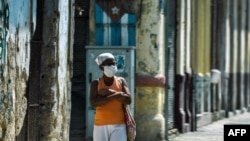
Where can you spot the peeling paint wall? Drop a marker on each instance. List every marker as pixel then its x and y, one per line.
pixel 150 65
pixel 16 26
pixel 149 48
pixel 55 81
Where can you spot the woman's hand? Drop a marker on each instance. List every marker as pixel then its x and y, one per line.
pixel 106 92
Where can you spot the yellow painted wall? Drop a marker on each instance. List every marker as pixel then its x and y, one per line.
pixel 201 46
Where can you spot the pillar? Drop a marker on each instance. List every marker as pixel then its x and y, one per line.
pixel 150 80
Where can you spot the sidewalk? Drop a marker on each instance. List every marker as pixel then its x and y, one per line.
pixel 213 131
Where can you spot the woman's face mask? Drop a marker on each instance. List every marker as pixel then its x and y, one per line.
pixel 110 71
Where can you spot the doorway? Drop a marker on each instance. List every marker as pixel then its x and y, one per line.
pixel 78 98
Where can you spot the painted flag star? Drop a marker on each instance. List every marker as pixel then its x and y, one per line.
pixel 115 10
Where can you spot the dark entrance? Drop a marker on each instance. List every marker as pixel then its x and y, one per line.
pixel 77 123
pixel 170 37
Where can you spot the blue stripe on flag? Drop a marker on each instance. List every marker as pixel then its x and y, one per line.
pixel 116 33
pixel 131 29
pixel 99 25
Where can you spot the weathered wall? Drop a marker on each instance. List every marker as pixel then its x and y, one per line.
pixel 56 71
pixel 16 28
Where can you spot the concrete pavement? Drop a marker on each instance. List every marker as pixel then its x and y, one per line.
pixel 213 131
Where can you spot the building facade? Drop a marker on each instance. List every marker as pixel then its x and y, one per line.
pixel 190 66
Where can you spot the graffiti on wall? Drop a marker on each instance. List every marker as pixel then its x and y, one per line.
pixel 4 26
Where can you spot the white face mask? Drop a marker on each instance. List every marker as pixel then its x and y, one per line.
pixel 110 71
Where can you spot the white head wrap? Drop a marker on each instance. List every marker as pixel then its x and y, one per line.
pixel 102 57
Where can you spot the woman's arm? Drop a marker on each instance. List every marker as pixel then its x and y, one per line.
pixel 97 99
pixel 103 96
pixel 125 95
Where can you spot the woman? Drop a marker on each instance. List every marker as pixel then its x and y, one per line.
pixel 109 94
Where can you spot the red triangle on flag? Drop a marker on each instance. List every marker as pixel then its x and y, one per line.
pixel 113 8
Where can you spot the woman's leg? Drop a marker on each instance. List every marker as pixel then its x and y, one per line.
pixel 101 133
pixel 118 133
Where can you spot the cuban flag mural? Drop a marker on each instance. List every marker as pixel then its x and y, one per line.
pixel 114 25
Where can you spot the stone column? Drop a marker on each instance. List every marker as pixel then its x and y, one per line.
pixel 227 58
pixel 233 55
pixel 56 70
pixel 242 58
pixel 180 113
pixel 188 68
pixel 248 56
pixel 150 80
